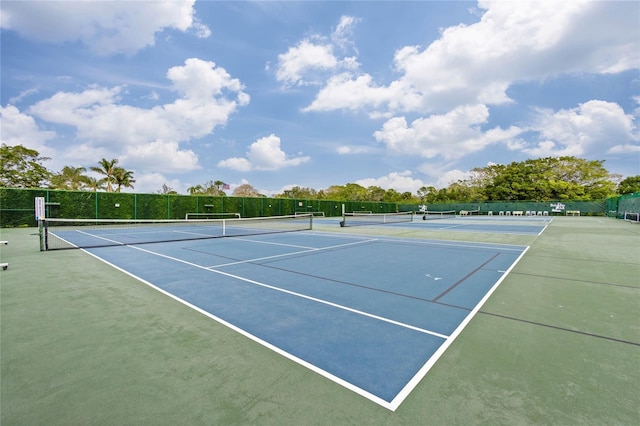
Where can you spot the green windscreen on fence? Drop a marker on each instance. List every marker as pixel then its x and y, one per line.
pixel 628 203
pixel 586 208
pixel 17 206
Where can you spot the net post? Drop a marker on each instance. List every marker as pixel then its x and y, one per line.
pixel 40 212
pixel 41 234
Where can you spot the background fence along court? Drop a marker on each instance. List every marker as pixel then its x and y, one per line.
pixel 17 206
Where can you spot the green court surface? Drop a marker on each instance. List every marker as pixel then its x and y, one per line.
pixel 557 343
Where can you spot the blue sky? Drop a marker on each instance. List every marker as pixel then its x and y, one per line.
pixel 279 94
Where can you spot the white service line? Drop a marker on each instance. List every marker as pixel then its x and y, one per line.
pixel 309 250
pixel 269 242
pixel 101 238
pixel 293 293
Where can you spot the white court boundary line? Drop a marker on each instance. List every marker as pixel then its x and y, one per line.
pixel 441 350
pixel 426 242
pixel 348 385
pixel 411 384
pixel 462 227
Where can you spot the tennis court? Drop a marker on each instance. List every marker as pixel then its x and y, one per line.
pixel 335 325
pixel 525 225
pixel 371 314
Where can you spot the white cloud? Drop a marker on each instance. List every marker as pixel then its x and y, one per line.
pixel 264 154
pixel 450 136
pixel 208 96
pixel 624 149
pixel 341 36
pixel 21 129
pixel 311 60
pixel 451 176
pixel 303 58
pixel 17 128
pixel 353 149
pixel 399 181
pixel 236 163
pixel 147 138
pixel 442 174
pixel 549 148
pixel 25 93
pixel 344 92
pixel 153 182
pixel 83 155
pixel 201 30
pixel 513 41
pixel 106 27
pixel 593 128
pixel 161 155
pixel 202 80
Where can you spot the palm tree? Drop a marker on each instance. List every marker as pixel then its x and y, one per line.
pixel 108 169
pixel 166 189
pixel 94 184
pixel 209 188
pixel 214 188
pixel 70 178
pixel 193 190
pixel 122 178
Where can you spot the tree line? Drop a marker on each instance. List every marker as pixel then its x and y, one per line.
pixel 542 179
pixel 22 167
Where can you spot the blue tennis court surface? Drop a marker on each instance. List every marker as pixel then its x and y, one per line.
pixel 534 225
pixel 372 314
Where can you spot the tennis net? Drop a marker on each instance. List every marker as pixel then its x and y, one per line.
pixel 359 218
pixel 58 234
pixel 319 214
pixel 439 215
pixel 200 216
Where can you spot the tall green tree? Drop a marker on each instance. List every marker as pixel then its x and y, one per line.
pixel 108 169
pixel 629 185
pixel 391 196
pixel 298 192
pixel 196 189
pixel 22 167
pixel 94 184
pixel 123 178
pixel 72 178
pixel 166 189
pixel 376 193
pixel 543 179
pixel 215 188
pixel 427 194
pixel 350 191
